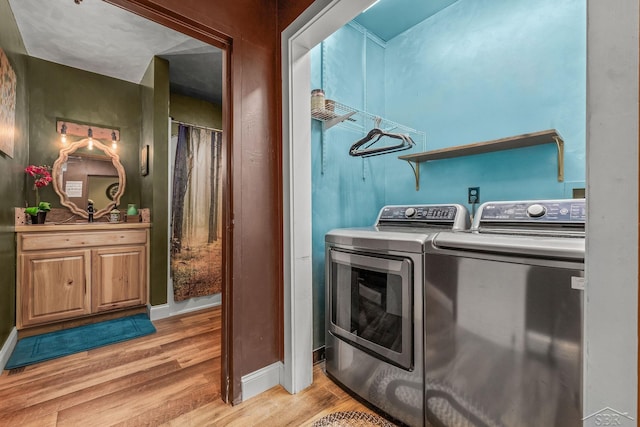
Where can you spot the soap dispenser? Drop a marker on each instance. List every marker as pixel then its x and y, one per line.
pixel 90 210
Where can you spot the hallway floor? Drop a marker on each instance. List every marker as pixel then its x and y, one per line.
pixel 168 378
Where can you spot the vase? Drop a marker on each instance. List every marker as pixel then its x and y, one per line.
pixel 132 209
pixel 39 218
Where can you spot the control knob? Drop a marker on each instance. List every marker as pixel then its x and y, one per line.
pixel 410 212
pixel 536 211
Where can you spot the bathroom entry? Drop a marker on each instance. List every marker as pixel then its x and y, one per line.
pixel 196 232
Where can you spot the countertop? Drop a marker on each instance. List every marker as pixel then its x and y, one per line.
pixel 80 226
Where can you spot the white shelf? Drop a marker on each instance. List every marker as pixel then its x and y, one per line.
pixel 336 113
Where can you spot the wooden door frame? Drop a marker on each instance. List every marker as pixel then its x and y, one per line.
pixel 189 27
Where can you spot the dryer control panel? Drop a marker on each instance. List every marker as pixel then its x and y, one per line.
pixel 454 216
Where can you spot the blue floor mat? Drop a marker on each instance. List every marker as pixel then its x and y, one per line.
pixel 56 344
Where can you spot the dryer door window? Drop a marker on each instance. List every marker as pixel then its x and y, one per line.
pixel 370 304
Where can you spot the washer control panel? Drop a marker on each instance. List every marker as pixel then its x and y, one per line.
pixel 545 211
pixel 454 216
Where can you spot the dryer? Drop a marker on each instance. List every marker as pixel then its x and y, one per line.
pixel 374 305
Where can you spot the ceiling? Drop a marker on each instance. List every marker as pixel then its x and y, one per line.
pixel 389 18
pixel 98 37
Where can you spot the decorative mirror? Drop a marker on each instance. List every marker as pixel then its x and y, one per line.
pixel 81 173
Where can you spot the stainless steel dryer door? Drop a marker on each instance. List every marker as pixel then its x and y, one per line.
pixel 370 304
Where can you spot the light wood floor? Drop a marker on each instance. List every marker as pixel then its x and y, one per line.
pixel 169 378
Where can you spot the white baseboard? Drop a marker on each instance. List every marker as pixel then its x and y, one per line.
pixel 261 380
pixel 8 347
pixel 157 312
pixel 182 309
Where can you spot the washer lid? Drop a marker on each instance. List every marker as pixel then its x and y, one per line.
pixel 531 246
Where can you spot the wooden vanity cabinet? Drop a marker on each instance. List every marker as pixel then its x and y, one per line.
pixel 79 271
pixel 53 286
pixel 118 279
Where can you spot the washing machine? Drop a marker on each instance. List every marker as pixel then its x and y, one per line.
pixel 503 317
pixel 374 305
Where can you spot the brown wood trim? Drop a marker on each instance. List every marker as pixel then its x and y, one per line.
pixel 279 200
pixel 227 367
pixel 175 21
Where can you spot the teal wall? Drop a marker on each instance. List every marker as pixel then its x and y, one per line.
pixel 13 182
pixel 347 191
pixel 482 70
pixel 476 71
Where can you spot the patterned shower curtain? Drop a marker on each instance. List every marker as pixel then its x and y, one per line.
pixel 196 246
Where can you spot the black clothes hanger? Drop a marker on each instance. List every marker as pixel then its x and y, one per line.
pixel 362 148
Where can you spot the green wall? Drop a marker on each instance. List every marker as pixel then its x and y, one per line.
pixel 140 112
pixel 54 92
pixel 155 134
pixel 13 182
pixel 194 111
pixel 61 92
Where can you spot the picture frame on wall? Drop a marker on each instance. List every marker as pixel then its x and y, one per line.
pixel 144 161
pixel 8 85
pixel 112 190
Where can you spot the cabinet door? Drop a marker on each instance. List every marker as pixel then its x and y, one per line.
pixel 54 285
pixel 119 278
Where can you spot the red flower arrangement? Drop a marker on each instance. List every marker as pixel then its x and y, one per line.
pixel 42 178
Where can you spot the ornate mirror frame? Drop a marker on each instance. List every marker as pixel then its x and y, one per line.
pixel 58 179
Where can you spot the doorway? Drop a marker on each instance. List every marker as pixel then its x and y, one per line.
pixel 146 133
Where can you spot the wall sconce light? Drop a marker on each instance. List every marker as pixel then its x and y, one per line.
pixel 63 134
pixel 68 128
pixel 90 135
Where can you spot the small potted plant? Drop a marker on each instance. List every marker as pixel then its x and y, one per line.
pixel 41 178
